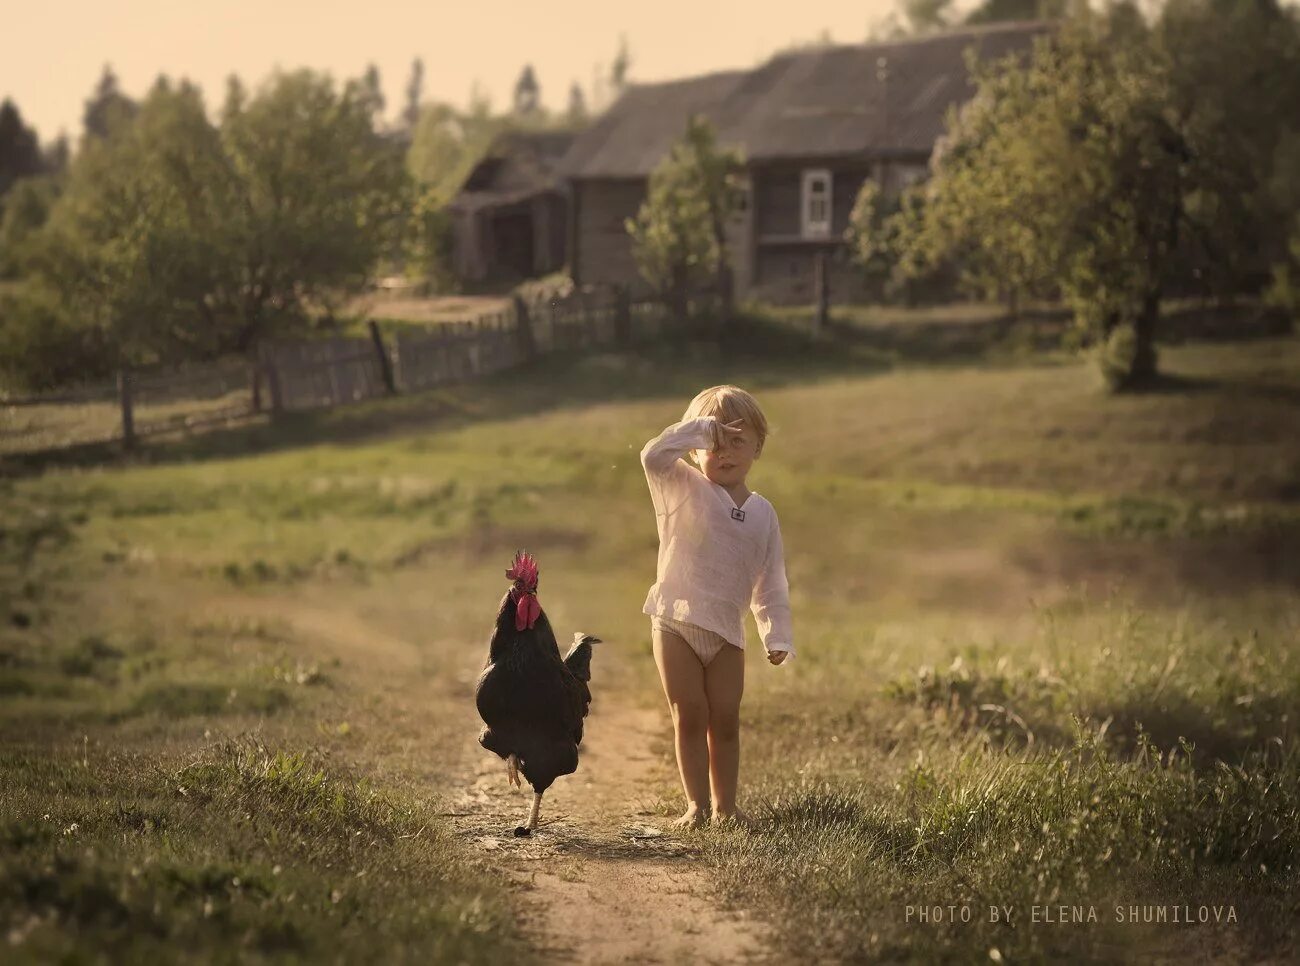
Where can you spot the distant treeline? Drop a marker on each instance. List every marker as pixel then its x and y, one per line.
pixel 170 236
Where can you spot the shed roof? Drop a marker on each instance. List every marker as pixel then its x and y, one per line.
pixel 862 99
pixel 516 165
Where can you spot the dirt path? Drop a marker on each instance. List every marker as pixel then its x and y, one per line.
pixel 602 880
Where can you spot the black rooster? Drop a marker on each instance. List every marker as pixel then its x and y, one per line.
pixel 532 701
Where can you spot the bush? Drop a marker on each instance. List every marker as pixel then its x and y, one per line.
pixel 41 346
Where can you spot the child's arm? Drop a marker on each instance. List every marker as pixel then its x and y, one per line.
pixel 770 602
pixel 660 455
pixel 661 458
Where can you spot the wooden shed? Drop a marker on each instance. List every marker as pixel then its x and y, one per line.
pixel 509 219
pixel 813 125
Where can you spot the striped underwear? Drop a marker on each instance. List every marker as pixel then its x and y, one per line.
pixel 706 644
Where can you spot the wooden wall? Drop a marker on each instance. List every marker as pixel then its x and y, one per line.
pixel 602 247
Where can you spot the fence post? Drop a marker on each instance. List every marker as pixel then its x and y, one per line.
pixel 273 384
pixel 524 329
pixel 588 320
pixel 255 380
pixel 385 363
pixel 821 295
pixel 622 316
pixel 128 412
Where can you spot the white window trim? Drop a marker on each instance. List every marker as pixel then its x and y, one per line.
pixel 808 227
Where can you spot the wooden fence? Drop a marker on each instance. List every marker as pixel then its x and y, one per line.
pixel 316 373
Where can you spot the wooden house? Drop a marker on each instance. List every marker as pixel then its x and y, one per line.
pixel 813 124
pixel 509 217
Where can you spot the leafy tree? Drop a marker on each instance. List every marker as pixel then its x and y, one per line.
pixel 319 197
pixel 135 244
pixel 27 207
pixel 997 11
pixel 107 107
pixel 20 153
pixel 368 91
pixel 176 239
pixel 446 145
pixel 57 155
pixel 236 99
pixel 872 232
pixel 1119 153
pixel 414 93
pixel 679 233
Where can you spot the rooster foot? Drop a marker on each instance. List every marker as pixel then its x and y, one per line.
pixel 521 831
pixel 512 770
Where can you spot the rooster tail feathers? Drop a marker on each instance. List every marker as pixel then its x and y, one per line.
pixel 578 660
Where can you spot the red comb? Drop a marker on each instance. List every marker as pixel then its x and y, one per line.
pixel 524 569
pixel 524 572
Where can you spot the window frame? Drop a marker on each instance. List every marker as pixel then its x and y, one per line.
pixel 808 226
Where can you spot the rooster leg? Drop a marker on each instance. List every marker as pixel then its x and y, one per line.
pixel 528 829
pixel 512 770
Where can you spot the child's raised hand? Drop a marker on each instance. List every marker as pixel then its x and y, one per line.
pixel 776 657
pixel 723 431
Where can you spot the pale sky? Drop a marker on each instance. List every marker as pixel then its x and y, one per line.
pixel 55 50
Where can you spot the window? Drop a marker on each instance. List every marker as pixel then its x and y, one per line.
pixel 816 203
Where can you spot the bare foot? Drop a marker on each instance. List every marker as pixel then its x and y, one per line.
pixel 691 818
pixel 733 819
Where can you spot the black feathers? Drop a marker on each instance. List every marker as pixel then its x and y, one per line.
pixel 531 700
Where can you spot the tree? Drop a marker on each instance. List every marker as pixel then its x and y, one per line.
pixel 57 155
pixel 369 91
pixel 26 210
pixel 618 70
pixel 527 93
pixel 414 93
pixel 912 18
pixel 446 145
pixel 320 196
pixel 236 99
pixel 998 11
pixel 107 107
pixel 136 247
pixel 1112 163
pixel 577 112
pixel 176 239
pixel 679 233
pixel 20 153
pixel 871 234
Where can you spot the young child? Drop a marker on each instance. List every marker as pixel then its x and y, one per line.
pixel 719 551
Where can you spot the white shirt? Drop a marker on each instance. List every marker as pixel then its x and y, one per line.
pixel 714 558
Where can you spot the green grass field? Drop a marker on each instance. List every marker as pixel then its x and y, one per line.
pixel 1047 655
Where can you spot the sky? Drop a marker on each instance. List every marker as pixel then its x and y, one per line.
pixel 55 50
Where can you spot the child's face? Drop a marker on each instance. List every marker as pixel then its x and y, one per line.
pixel 729 464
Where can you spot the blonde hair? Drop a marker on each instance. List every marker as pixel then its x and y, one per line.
pixel 727 404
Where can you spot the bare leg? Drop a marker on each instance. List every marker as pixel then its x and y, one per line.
pixel 512 770
pixel 724 683
pixel 682 676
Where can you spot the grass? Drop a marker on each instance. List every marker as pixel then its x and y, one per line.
pixel 236 851
pixel 1046 655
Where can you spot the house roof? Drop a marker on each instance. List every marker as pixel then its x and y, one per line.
pixel 516 165
pixel 851 100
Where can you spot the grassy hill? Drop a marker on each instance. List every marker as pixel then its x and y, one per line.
pixel 227 667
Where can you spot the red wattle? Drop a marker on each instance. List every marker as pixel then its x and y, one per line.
pixel 527 610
